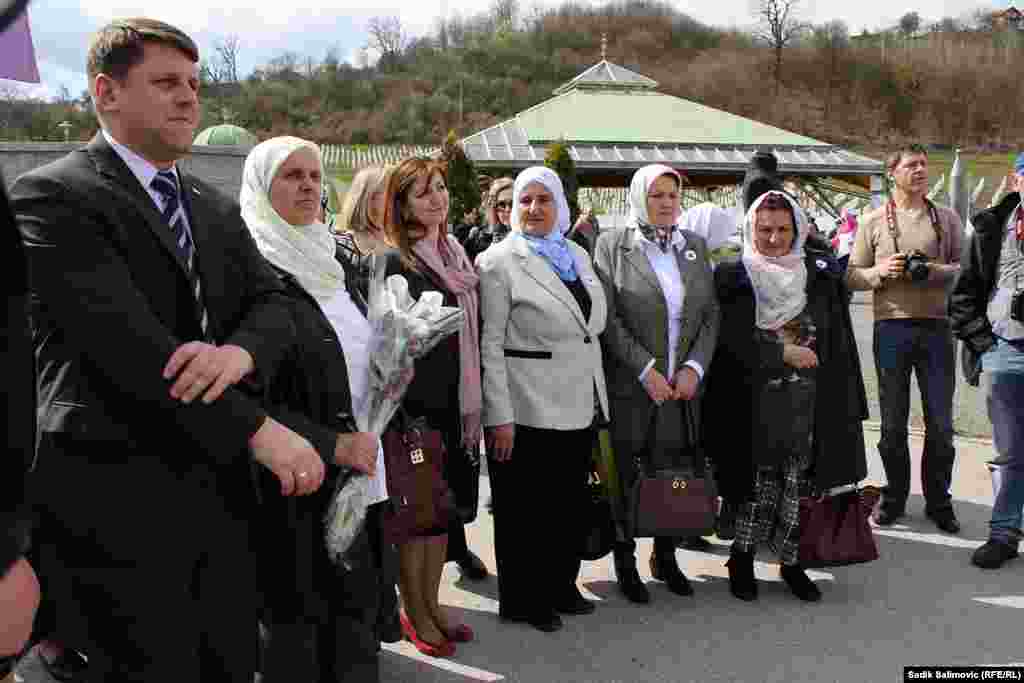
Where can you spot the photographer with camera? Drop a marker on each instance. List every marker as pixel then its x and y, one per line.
pixel 987 312
pixel 908 252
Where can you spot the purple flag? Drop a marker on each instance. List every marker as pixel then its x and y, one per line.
pixel 17 56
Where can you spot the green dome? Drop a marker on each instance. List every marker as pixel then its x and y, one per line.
pixel 226 134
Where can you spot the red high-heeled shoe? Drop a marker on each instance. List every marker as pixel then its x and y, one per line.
pixel 445 649
pixel 460 634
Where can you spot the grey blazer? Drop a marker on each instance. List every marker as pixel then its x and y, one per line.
pixel 637 330
pixel 541 360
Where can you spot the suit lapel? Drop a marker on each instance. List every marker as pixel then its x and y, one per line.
pixel 110 165
pixel 545 276
pixel 686 257
pixel 638 260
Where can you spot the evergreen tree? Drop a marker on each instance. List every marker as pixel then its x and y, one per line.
pixel 463 186
pixel 560 161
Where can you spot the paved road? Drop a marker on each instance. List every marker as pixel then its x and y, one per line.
pixel 920 604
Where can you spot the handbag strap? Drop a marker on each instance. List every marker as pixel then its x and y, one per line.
pixel 700 469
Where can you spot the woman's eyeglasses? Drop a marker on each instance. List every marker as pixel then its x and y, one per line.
pixel 503 206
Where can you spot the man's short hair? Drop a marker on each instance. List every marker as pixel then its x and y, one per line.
pixel 118 46
pixel 907 150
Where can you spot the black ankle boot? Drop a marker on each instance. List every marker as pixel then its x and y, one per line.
pixel 665 568
pixel 800 583
pixel 742 583
pixel 629 578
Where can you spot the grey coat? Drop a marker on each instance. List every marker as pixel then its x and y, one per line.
pixel 637 331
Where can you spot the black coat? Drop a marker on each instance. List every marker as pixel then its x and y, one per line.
pixel 310 395
pixel 18 371
pixel 741 365
pixel 968 302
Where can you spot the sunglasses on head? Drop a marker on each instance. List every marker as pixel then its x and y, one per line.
pixel 503 206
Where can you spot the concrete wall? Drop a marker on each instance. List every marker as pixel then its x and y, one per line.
pixel 221 166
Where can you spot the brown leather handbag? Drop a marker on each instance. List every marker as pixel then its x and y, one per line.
pixel 675 502
pixel 421 501
pixel 834 530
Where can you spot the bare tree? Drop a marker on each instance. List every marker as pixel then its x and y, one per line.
pixel 504 14
pixel 227 58
pixel 388 38
pixel 779 25
pixel 910 24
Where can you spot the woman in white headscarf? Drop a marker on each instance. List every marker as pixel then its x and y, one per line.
pixel 321 620
pixel 542 308
pixel 786 331
pixel 662 329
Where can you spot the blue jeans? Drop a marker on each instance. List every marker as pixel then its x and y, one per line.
pixel 1003 380
pixel 926 348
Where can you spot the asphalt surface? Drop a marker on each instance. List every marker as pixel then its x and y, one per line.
pixel 922 603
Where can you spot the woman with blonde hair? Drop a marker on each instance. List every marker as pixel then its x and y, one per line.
pixel 498 205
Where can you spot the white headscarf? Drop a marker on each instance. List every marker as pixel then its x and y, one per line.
pixel 779 281
pixel 640 186
pixel 713 223
pixel 550 180
pixel 305 251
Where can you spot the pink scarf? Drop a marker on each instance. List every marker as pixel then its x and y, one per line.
pixel 448 261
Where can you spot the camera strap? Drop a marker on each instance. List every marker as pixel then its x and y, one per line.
pixel 890 219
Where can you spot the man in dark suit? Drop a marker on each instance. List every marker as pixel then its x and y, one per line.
pixel 19 590
pixel 153 319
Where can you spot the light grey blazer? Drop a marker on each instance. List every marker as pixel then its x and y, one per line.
pixel 637 329
pixel 541 360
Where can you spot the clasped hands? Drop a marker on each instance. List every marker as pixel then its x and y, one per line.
pixel 682 388
pixel 202 369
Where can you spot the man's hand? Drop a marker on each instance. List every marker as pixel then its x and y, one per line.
pixel 357 450
pixel 799 356
pixel 291 458
pixel 19 598
pixel 685 383
pixel 203 367
pixel 657 387
pixel 500 440
pixel 892 267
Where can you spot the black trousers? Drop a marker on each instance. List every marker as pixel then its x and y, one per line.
pixel 539 495
pixel 147 571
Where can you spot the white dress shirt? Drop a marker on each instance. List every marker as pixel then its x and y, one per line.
pixel 145 172
pixel 666 266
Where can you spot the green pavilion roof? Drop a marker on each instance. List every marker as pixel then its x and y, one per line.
pixel 226 134
pixel 614 121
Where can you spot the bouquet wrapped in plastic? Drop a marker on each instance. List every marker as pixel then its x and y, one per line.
pixel 403 329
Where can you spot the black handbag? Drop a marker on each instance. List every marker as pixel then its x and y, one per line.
pixel 599 531
pixel 462 470
pixel 676 502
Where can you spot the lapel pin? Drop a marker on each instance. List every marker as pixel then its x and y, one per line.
pixel 821 264
pixel 691 255
pixel 196 190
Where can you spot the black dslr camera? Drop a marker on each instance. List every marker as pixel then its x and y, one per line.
pixel 916 266
pixel 1017 307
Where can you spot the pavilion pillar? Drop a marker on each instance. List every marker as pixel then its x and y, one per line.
pixel 877 191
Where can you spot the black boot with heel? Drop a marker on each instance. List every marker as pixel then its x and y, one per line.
pixel 742 583
pixel 628 577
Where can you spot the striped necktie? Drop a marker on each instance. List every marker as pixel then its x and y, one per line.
pixel 166 183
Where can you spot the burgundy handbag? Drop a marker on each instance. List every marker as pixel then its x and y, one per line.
pixel 675 502
pixel 834 530
pixel 421 502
